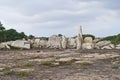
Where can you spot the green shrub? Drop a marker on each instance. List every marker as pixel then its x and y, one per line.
pixel 115 67
pixel 67 62
pixel 7 71
pixel 46 62
pixel 28 64
pixel 23 73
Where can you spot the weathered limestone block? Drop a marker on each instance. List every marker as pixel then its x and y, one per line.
pixel 106 47
pixel 43 43
pixel 79 42
pixel 71 43
pixel 4 46
pixel 64 42
pixel 21 44
pixel 117 46
pixel 31 41
pixel 37 41
pixel 79 39
pixel 103 43
pixel 87 46
pixel 88 40
pixel 55 42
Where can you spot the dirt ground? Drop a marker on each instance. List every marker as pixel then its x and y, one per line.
pixel 53 64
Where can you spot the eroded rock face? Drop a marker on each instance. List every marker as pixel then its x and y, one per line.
pixel 79 42
pixel 55 42
pixel 4 46
pixel 88 40
pixel 21 44
pixel 103 43
pixel 87 46
pixel 88 43
pixel 64 42
pixel 43 43
pixel 117 46
pixel 79 39
pixel 71 43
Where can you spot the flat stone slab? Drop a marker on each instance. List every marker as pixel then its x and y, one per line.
pixel 19 70
pixel 40 60
pixel 65 59
pixel 1 69
pixel 82 62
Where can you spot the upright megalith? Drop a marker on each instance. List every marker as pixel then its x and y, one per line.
pixel 64 42
pixel 79 39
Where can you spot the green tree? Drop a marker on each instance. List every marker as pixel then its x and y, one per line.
pixel 2 28
pixel 31 37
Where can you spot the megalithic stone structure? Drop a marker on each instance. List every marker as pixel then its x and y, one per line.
pixel 64 42
pixel 79 39
pixel 80 33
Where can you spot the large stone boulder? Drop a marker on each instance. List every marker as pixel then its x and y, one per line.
pixel 88 40
pixel 4 46
pixel 36 41
pixel 87 46
pixel 106 47
pixel 64 42
pixel 43 43
pixel 21 44
pixel 103 43
pixel 88 43
pixel 79 39
pixel 78 42
pixel 55 42
pixel 117 46
pixel 71 43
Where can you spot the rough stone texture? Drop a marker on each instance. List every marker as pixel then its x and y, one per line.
pixel 87 46
pixel 79 39
pixel 43 43
pixel 55 42
pixel 117 46
pixel 79 42
pixel 110 46
pixel 71 43
pixel 64 42
pixel 103 43
pixel 106 47
pixel 65 59
pixel 21 44
pixel 37 41
pixel 4 46
pixel 88 40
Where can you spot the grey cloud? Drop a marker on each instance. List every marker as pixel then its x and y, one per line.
pixel 47 17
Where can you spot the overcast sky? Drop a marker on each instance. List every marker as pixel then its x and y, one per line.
pixel 48 17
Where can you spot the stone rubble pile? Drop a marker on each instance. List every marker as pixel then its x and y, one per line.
pixel 61 42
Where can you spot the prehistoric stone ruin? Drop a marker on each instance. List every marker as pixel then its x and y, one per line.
pixel 61 42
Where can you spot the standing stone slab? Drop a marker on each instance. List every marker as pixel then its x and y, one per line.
pixel 79 38
pixel 64 42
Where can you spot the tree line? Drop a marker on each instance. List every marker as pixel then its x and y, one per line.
pixel 10 34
